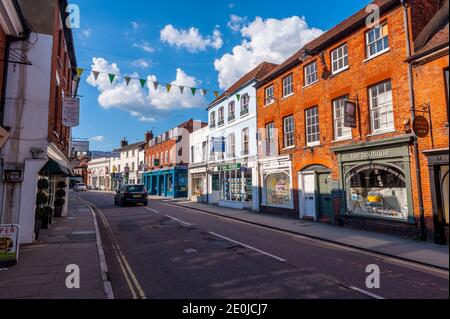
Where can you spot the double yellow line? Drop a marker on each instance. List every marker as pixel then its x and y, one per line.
pixel 130 277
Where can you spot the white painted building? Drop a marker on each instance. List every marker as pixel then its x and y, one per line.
pixel 233 179
pixel 198 178
pixel 99 174
pixel 128 167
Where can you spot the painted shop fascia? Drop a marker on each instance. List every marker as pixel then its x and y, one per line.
pixel 167 182
pixel 375 181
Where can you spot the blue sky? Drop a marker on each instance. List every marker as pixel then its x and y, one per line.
pixel 207 44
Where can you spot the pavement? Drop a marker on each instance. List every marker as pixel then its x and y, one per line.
pixel 41 269
pixel 425 253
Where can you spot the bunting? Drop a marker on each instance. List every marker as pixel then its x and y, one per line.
pixel 238 96
pixel 168 87
pixel 80 72
pixel 96 74
pixel 193 91
pixel 182 89
pixel 143 82
pixel 127 80
pixel 155 85
pixel 111 77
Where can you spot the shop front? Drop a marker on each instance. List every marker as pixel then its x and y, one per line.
pixel 171 182
pixel 198 187
pixel 438 163
pixel 276 181
pixel 376 184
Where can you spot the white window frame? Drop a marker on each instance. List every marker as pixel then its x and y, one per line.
pixel 313 117
pixel 231 146
pixel 245 104
pixel 245 141
pixel 269 98
pixel 383 35
pixel 311 73
pixel 231 111
pixel 212 119
pixel 288 86
pixel 339 55
pixel 384 108
pixel 339 120
pixel 221 116
pixel 289 131
pixel 270 132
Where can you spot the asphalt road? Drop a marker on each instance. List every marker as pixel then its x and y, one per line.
pixel 169 252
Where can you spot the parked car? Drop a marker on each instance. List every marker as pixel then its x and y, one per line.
pixel 80 187
pixel 131 194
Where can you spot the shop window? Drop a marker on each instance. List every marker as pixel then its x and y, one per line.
pixel 278 190
pixel 445 191
pixel 382 111
pixel 377 190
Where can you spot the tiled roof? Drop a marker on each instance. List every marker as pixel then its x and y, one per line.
pixel 256 74
pixel 131 146
pixel 333 35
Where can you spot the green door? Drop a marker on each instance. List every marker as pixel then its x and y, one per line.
pixel 325 200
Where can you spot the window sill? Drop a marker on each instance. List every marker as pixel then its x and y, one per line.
pixel 311 84
pixel 289 148
pixel 377 55
pixel 312 145
pixel 269 104
pixel 381 132
pixel 244 114
pixel 287 96
pixel 339 72
pixel 344 139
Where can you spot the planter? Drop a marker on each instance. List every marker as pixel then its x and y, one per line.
pixel 37 228
pixel 58 211
pixel 45 221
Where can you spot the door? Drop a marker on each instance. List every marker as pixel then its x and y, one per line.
pixel 325 199
pixel 309 196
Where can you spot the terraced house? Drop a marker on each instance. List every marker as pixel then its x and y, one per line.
pixel 343 108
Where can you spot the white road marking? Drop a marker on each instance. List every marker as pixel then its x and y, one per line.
pixel 152 210
pixel 178 220
pixel 249 247
pixel 369 294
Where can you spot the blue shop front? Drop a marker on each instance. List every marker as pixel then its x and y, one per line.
pixel 170 182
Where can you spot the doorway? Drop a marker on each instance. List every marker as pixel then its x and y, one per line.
pixel 315 193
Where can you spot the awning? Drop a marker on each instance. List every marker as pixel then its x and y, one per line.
pixel 53 168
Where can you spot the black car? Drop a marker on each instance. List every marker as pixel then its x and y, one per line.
pixel 131 194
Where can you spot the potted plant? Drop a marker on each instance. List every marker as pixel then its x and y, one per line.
pixel 60 199
pixel 49 212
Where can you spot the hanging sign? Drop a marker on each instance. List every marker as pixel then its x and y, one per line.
pixel 71 112
pixel 9 245
pixel 421 126
pixel 350 114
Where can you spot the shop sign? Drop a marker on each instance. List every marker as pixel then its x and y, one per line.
pixel 370 155
pixel 421 126
pixel 350 114
pixel 80 146
pixel 230 167
pixel 9 244
pixel 71 112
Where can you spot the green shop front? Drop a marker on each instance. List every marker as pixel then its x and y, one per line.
pixel 375 185
pixel 171 182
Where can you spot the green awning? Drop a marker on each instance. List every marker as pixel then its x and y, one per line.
pixel 53 168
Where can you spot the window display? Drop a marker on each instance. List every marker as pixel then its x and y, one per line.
pixel 378 190
pixel 278 187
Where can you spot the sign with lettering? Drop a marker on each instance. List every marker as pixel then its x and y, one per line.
pixel 80 146
pixel 421 126
pixel 9 245
pixel 350 114
pixel 71 112
pixel 370 155
pixel 230 167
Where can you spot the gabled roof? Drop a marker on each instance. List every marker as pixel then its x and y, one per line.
pixel 256 74
pixel 131 146
pixel 328 38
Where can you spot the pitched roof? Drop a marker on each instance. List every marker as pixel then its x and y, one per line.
pixel 256 74
pixel 131 146
pixel 333 35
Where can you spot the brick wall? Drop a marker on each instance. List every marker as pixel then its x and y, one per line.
pixel 156 150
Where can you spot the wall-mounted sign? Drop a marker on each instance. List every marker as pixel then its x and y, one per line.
pixel 421 126
pixel 230 167
pixel 12 176
pixel 9 245
pixel 350 114
pixel 4 134
pixel 80 146
pixel 71 112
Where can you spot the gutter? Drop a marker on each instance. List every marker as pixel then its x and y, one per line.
pixel 436 51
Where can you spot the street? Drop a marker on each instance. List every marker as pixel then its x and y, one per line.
pixel 167 252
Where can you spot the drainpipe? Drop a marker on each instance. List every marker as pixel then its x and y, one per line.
pixel 423 229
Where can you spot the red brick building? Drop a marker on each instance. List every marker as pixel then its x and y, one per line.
pixel 167 160
pixel 341 107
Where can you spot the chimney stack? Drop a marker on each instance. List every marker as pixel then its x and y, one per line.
pixel 123 143
pixel 149 136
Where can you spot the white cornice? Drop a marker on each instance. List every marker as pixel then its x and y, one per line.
pixel 10 20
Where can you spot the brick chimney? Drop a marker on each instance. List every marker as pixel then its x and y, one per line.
pixel 123 143
pixel 149 136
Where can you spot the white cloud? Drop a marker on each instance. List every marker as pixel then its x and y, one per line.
pixel 142 63
pixel 86 33
pixel 147 105
pixel 191 39
pixel 98 139
pixel 231 5
pixel 270 40
pixel 145 46
pixel 236 22
pixel 135 25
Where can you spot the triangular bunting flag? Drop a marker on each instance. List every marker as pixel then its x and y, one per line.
pixel 143 81
pixel 127 80
pixel 168 87
pixel 155 84
pixel 96 74
pixel 111 77
pixel 193 90
pixel 80 72
pixel 216 94
pixel 204 92
pixel 238 96
pixel 182 89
